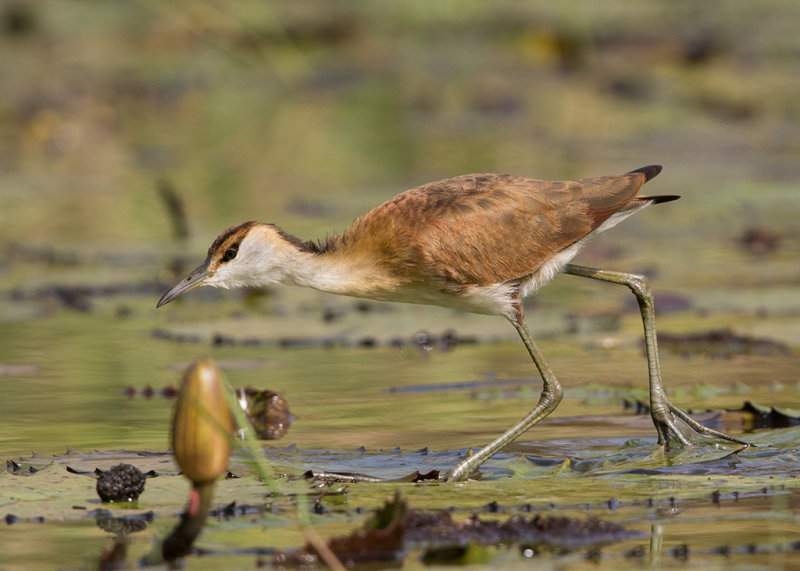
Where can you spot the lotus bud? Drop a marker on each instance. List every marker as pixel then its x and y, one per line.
pixel 202 424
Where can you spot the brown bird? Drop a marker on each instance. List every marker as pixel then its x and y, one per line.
pixel 478 243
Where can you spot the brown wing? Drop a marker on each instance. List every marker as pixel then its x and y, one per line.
pixel 486 228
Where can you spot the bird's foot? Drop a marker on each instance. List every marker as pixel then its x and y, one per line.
pixel 671 435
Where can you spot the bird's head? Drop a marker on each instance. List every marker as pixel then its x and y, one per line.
pixel 247 254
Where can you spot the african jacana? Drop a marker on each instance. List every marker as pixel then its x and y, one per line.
pixel 478 243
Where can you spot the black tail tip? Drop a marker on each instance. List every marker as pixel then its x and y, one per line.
pixel 662 198
pixel 649 171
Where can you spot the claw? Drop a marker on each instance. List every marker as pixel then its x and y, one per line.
pixel 669 434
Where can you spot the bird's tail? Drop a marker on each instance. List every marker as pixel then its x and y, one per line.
pixel 650 172
pixel 658 199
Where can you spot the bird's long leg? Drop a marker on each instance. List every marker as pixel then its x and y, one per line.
pixel 664 413
pixel 548 401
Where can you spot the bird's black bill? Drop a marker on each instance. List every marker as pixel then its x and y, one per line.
pixel 194 279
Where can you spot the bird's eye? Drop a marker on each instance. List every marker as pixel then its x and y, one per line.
pixel 230 253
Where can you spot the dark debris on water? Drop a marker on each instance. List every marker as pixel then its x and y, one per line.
pixel 425 342
pixel 120 483
pixel 720 343
pixel 564 533
pixel 395 527
pixel 750 415
pixel 769 416
pixel 25 469
pixel 267 411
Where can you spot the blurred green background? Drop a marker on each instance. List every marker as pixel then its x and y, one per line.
pixel 308 113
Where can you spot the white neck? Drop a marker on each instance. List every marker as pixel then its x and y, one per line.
pixel 266 258
pixel 325 272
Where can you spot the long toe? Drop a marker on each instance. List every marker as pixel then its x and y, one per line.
pixel 701 429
